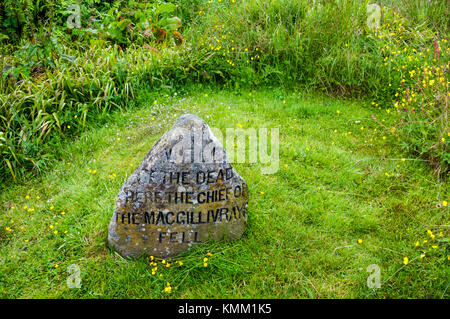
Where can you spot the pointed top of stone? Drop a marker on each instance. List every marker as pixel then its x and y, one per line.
pixel 189 121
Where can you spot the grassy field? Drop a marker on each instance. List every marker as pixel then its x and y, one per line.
pixel 343 198
pixel 50 73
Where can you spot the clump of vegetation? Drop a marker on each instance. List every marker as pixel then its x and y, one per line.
pixel 55 80
pixel 416 95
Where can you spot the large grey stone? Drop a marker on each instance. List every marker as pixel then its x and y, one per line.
pixel 184 192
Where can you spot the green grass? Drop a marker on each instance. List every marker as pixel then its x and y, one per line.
pixel 51 76
pixel 304 221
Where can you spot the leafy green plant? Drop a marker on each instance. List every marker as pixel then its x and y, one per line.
pixel 142 23
pixel 60 73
